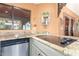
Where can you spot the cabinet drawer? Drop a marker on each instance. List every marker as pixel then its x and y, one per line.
pixel 46 49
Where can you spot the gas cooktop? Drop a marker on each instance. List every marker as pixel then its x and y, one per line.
pixel 63 42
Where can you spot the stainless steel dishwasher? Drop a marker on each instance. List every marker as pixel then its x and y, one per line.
pixel 16 47
pixel 0 48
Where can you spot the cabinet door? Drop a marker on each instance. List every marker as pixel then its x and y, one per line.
pixel 68 25
pixel 46 49
pixel 12 17
pixel 21 15
pixel 5 17
pixel 5 11
pixel 34 51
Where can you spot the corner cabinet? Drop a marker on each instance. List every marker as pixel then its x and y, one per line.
pixel 40 49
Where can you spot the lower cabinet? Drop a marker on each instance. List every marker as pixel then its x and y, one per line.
pixel 34 51
pixel 40 49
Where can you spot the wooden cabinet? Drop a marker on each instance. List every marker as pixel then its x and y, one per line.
pixel 13 17
pixel 45 50
pixel 60 6
pixel 21 14
pixel 5 11
pixel 68 25
pixel 5 17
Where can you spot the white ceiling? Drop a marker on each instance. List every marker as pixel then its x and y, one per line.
pixel 74 7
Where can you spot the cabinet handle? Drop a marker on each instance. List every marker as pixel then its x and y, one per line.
pixel 39 54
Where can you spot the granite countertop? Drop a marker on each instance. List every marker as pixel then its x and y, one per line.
pixel 54 42
pixel 29 34
pixel 50 40
pixel 10 36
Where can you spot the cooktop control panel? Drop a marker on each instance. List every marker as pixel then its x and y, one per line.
pixel 66 41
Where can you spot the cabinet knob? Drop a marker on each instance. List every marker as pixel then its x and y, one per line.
pixel 39 54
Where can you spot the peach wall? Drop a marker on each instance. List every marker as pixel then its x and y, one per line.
pixel 53 22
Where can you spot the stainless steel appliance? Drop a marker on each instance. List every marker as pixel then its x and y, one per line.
pixel 16 47
pixel 0 48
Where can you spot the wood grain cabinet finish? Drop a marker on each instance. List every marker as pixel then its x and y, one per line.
pixel 5 11
pixel 21 14
pixel 60 6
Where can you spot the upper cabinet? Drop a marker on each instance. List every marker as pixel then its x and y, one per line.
pixel 60 6
pixel 20 17
pixel 13 18
pixel 5 17
pixel 5 11
pixel 21 14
